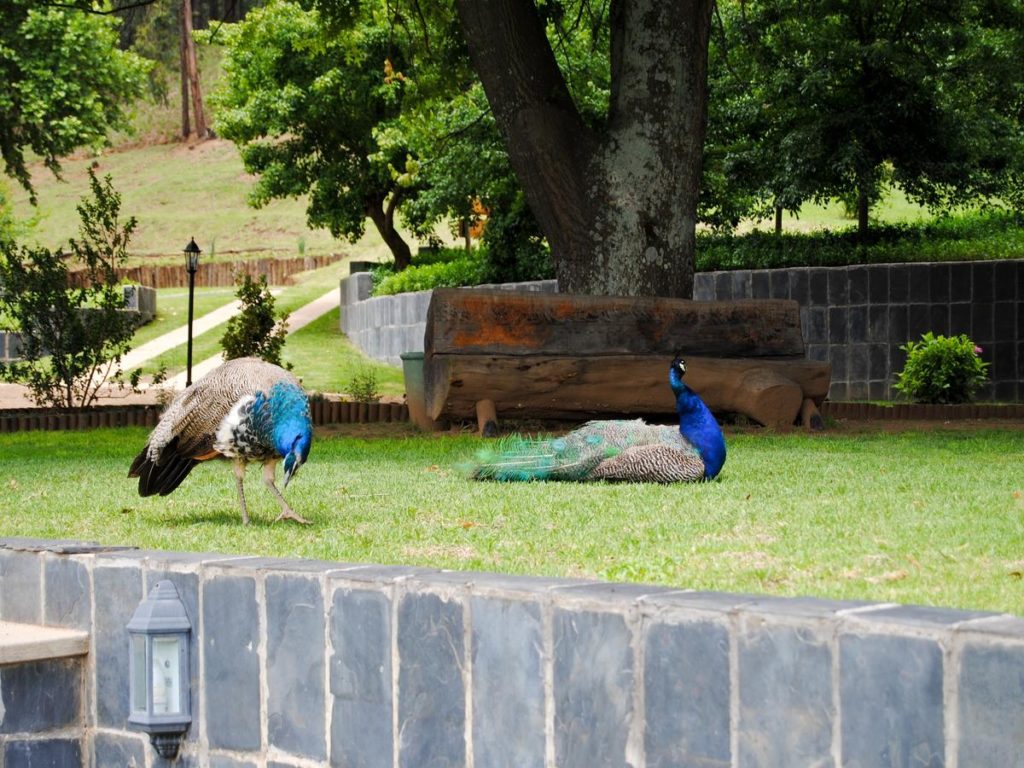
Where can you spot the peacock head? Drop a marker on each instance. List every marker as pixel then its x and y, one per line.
pixel 676 371
pixel 294 443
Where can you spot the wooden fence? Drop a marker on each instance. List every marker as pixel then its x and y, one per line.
pixel 217 274
pixel 324 411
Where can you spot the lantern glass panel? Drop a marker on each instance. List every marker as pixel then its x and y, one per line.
pixel 166 676
pixel 138 703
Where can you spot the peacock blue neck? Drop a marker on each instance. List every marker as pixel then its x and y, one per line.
pixel 288 407
pixel 699 427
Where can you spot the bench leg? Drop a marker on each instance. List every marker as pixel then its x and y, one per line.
pixel 487 418
pixel 810 416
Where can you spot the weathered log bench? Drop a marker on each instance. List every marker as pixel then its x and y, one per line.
pixel 559 356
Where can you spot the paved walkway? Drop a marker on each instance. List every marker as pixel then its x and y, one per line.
pixel 178 336
pixel 300 318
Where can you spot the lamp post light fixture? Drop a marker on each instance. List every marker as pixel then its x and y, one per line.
pixel 158 669
pixel 191 265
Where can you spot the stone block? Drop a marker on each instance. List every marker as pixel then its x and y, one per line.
pixel 878 324
pixel 919 283
pixel 838 286
pixel 960 319
pixel 898 324
pixel 857 390
pixel 40 696
pixel 859 361
pixel 838 325
pixel 119 592
pixel 508 683
pixel 723 286
pixel 921 616
pixel 878 284
pixel 231 637
pixel 760 284
pixel 891 701
pixel 1005 321
pixel 815 324
pixel 939 283
pixel 960 285
pixel 778 284
pixel 899 283
pixel 786 711
pixel 991 715
pixel 108 750
pixel 858 285
pixel 983 281
pixel 1004 361
pixel 818 286
pixel 704 286
pixel 593 684
pixel 741 284
pixel 938 321
pixel 431 697
pixel 982 323
pixel 817 352
pixel 228 762
pixel 1008 279
pixel 878 364
pixel 295 666
pixel 21 596
pixel 361 679
pixel 42 753
pixel 919 320
pixel 799 286
pixel 858 323
pixel 838 357
pixel 687 694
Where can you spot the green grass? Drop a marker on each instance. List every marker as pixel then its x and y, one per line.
pixel 172 310
pixel 932 518
pixel 333 372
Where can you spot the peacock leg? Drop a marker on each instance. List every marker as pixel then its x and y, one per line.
pixel 239 479
pixel 286 512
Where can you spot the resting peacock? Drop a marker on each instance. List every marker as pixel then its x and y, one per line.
pixel 619 450
pixel 246 410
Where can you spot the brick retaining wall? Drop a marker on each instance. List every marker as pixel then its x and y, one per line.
pixel 299 663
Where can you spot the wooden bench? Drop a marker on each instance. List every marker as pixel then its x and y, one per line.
pixel 558 356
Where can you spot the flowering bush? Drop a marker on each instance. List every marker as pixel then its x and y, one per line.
pixel 942 369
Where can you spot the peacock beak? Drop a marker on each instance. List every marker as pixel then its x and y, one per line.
pixel 291 466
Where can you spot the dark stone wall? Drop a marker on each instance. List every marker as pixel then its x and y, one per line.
pixel 857 317
pixel 315 663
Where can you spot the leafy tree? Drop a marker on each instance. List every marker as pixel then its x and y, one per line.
pixel 65 83
pixel 255 331
pixel 834 99
pixel 302 101
pixel 72 339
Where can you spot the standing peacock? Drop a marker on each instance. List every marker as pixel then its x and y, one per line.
pixel 247 410
pixel 619 450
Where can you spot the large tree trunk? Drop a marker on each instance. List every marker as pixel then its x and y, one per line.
pixel 619 209
pixel 186 129
pixel 382 214
pixel 192 67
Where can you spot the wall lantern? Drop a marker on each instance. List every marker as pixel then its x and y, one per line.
pixel 191 266
pixel 158 669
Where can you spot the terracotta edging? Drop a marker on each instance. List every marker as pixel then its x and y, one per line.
pixel 920 411
pixel 324 411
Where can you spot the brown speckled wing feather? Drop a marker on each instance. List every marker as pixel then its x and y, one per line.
pixel 651 464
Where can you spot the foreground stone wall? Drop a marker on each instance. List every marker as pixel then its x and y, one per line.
pixel 41 715
pixel 300 663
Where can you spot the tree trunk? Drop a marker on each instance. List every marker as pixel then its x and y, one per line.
pixel 186 129
pixel 619 209
pixel 863 206
pixel 192 67
pixel 778 219
pixel 382 214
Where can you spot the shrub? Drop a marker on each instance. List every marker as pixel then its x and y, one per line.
pixel 73 338
pixel 463 268
pixel 255 331
pixel 942 369
pixel 363 386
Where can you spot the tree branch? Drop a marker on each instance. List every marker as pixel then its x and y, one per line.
pixel 86 7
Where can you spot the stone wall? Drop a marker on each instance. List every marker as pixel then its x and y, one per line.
pixel 300 663
pixel 41 716
pixel 858 317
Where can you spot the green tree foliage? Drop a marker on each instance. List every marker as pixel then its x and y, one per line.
pixel 65 83
pixel 72 339
pixel 829 99
pixel 302 100
pixel 255 331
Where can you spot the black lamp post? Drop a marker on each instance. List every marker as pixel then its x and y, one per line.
pixel 191 265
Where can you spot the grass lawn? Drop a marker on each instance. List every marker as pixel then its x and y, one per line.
pixel 931 517
pixel 172 310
